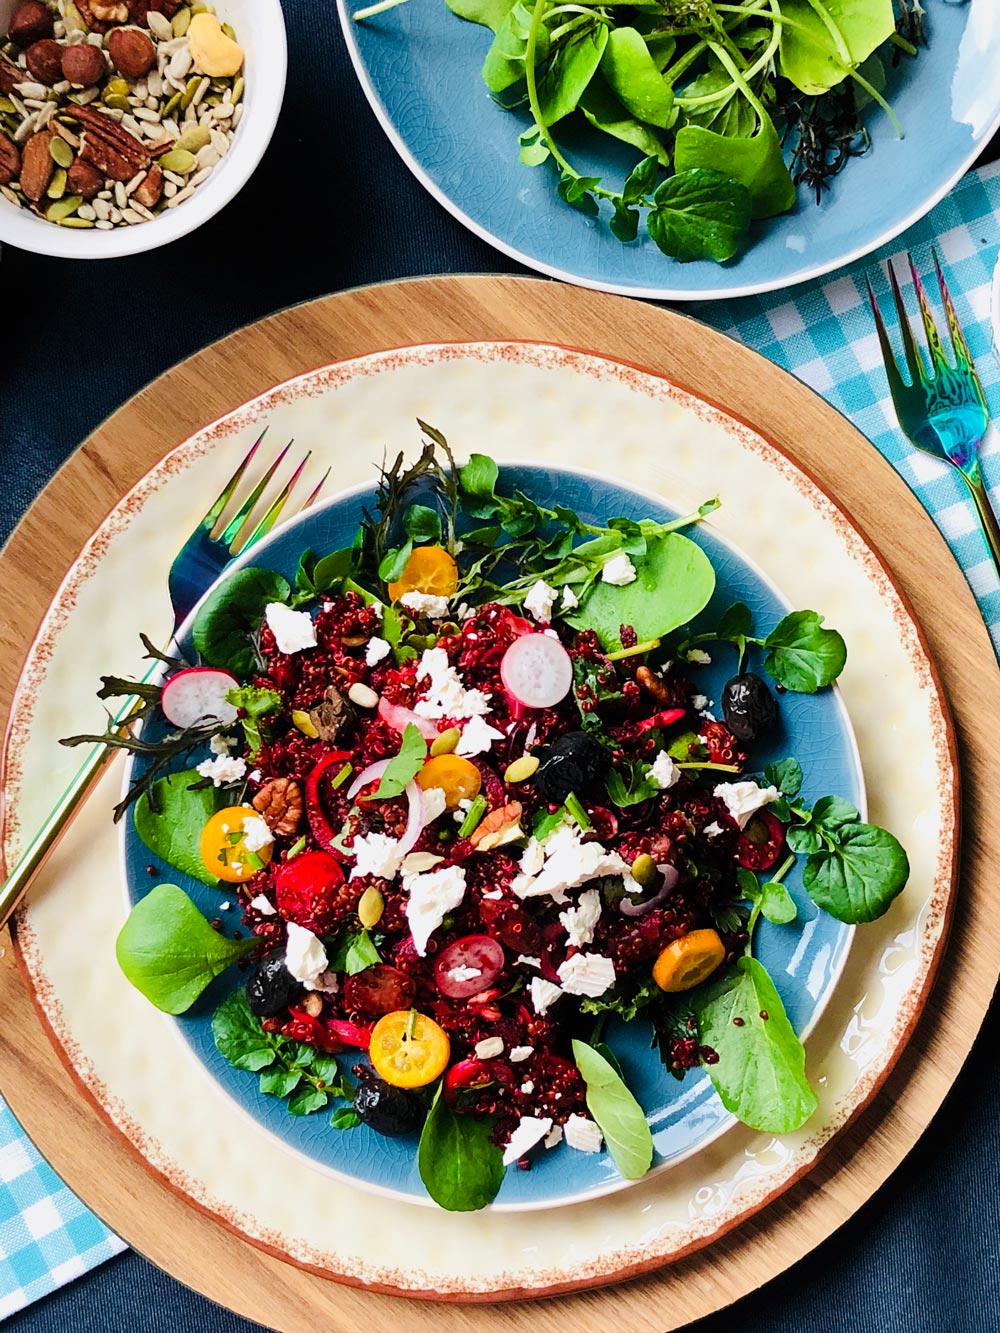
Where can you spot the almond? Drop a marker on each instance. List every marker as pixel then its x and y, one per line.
pixel 83 64
pixel 131 52
pixel 84 179
pixel 44 61
pixel 37 165
pixel 30 22
pixel 10 160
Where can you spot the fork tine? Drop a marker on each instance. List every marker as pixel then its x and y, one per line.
pixel 215 513
pixel 914 361
pixel 271 517
pixel 322 482
pixel 239 519
pixel 888 355
pixel 962 353
pixel 930 328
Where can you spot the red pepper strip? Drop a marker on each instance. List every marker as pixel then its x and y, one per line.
pixel 318 1035
pixel 351 1034
pixel 666 718
pixel 322 830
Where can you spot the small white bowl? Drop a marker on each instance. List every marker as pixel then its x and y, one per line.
pixel 260 28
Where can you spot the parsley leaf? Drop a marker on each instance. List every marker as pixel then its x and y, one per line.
pixel 404 767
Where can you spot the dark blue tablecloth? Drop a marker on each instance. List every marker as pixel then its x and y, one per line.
pixel 333 207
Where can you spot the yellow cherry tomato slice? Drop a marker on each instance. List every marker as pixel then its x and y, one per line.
pixel 409 1050
pixel 689 960
pixel 458 778
pixel 222 846
pixel 429 569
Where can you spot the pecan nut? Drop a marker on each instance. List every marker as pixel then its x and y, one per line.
pixel 149 192
pixel 110 148
pixel 84 179
pixel 334 718
pixel 10 160
pixel 110 11
pixel 10 76
pixel 37 165
pixel 280 803
pixel 500 826
pixel 653 685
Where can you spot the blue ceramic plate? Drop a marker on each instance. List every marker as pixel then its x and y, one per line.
pixel 804 958
pixel 420 68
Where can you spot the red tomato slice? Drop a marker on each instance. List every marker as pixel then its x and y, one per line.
pixel 379 989
pixel 478 954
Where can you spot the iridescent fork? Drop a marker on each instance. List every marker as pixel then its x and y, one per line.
pixel 944 414
pixel 195 568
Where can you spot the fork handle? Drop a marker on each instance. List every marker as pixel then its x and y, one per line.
pixel 987 515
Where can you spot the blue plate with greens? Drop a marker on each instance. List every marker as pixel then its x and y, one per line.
pixel 676 149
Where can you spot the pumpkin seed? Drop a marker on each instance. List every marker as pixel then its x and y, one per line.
pixel 202 9
pixel 80 223
pixel 117 102
pixel 239 84
pixel 172 105
pixel 7 106
pixel 304 723
pixel 370 907
pixel 194 139
pixel 230 31
pixel 61 153
pixel 72 17
pixel 181 21
pixel 521 769
pixel 179 160
pixel 644 871
pixel 63 208
pixel 446 742
pixel 57 185
pixel 189 91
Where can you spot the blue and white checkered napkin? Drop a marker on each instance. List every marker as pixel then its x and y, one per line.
pixel 823 333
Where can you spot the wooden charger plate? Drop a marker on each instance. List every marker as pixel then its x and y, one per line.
pixel 98 1163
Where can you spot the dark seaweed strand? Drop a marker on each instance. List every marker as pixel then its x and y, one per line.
pixel 825 133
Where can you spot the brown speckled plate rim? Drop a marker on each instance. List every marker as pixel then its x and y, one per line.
pixel 613 1267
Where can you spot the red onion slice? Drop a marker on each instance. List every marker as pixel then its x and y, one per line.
pixel 670 878
pixel 415 819
pixel 399 718
pixel 369 774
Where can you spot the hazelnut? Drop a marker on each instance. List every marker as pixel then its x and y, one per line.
pixel 83 64
pixel 84 179
pixel 10 160
pixel 132 53
pixel 44 61
pixel 30 22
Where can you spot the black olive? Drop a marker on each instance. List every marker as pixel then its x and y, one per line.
pixel 271 988
pixel 573 763
pixel 388 1110
pixel 748 707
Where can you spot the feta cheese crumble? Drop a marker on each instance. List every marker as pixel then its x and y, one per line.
pixel 699 702
pixel 305 956
pixel 582 1134
pixel 519 1053
pixel 377 649
pixel 256 834
pixel 462 973
pixel 220 744
pixel 664 772
pixel 489 1048
pixel 699 657
pixel 524 958
pixel 543 994
pixel 743 799
pixel 477 737
pixel 619 570
pixel 569 599
pixel 425 604
pixel 445 695
pixel 713 830
pixel 567 862
pixel 435 801
pixel 262 905
pixel 581 919
pixel 540 601
pixel 430 898
pixel 530 1130
pixel 376 854
pixel 586 974
pixel 293 630
pixel 554 1136
pixel 223 768
pixel 527 1087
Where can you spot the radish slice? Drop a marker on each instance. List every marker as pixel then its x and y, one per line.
pixel 399 718
pixel 536 669
pixel 670 877
pixel 197 696
pixel 415 820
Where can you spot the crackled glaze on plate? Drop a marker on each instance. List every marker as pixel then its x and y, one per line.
pixel 554 406
pixel 419 66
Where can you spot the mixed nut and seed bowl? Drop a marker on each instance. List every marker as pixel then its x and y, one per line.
pixel 119 113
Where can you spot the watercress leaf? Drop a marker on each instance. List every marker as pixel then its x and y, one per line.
pixel 641 181
pixel 776 904
pixel 674 581
pixel 633 539
pixel 404 766
pixel 786 775
pixel 280 1082
pixel 334 567
pixel 626 998
pixel 503 68
pixel 624 222
pixel 569 72
pixel 307 1100
pixel 490 13
pixel 575 191
pixel 858 878
pixel 700 214
pixel 170 953
pixel 345 1117
pixel 257 702
pixel 353 952
pixel 812 57
pixel 394 562
pixel 422 524
pixel 781 809
pixel 831 813
pixel 171 823
pixel 735 622
pixel 749 884
pixel 803 656
pixel 635 80
pixel 240 1037
pixel 688 745
pixel 532 153
pixel 479 476
pixel 760 1074
pixel 803 840
pixel 232 612
pixel 620 1117
pixel 304 572
pixel 604 111
pixel 605 1052
pixel 635 790
pixel 325 1068
pixel 461 1168
pixel 756 163
pixel 730 115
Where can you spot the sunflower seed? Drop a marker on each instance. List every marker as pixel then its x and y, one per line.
pixel 135 182
pixel 199 177
pixel 180 63
pixel 144 113
pixel 169 189
pixel 208 157
pixel 159 26
pixel 142 210
pixel 102 209
pixel 130 216
pixel 104 225
pixel 180 196
pixel 29 89
pixel 87 212
pixel 25 130
pixel 121 195
pixel 45 115
pixel 200 91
